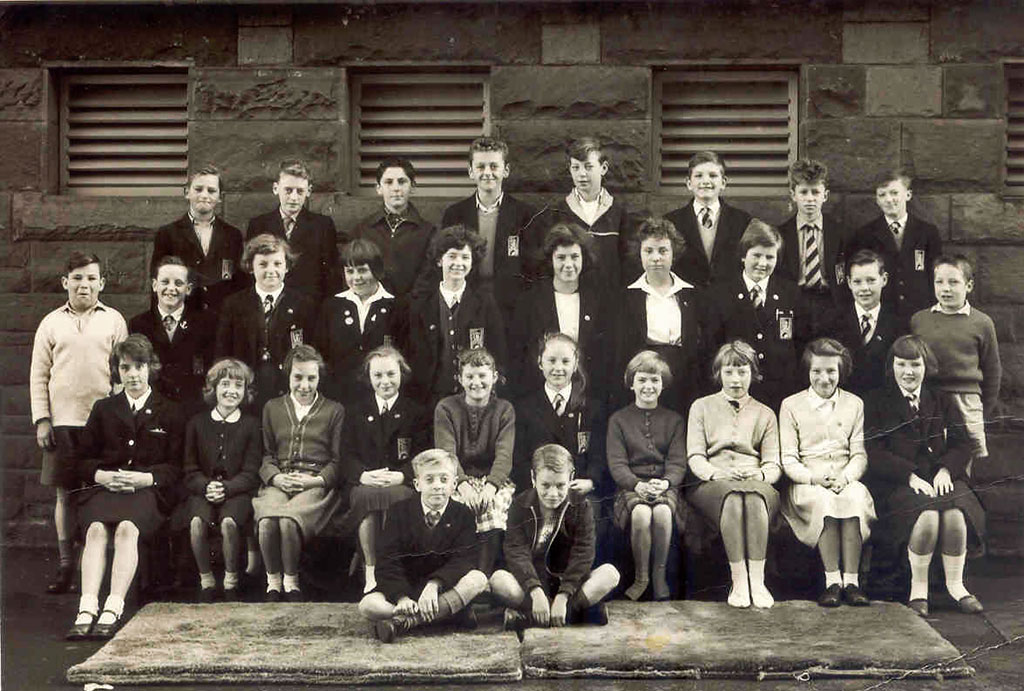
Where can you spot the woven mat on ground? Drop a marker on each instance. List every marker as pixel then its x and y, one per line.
pixel 794 639
pixel 171 643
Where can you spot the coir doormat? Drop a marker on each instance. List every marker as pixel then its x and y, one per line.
pixel 172 643
pixel 697 640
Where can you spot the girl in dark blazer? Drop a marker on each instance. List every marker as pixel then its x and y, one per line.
pixel 383 432
pixel 659 312
pixel 222 463
pixel 261 325
pixel 354 322
pixel 129 463
pixel 918 452
pixel 187 349
pixel 210 248
pixel 763 309
pixel 561 304
pixel 452 317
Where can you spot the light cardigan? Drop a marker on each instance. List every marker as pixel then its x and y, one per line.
pixel 816 442
pixel 71 362
pixel 719 437
pixel 312 445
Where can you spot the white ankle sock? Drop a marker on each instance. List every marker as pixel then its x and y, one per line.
pixel 953 567
pixel 88 603
pixel 206 580
pixel 919 564
pixel 739 595
pixel 291 582
pixel 833 578
pixel 230 580
pixel 273 582
pixel 112 604
pixel 851 579
pixel 759 593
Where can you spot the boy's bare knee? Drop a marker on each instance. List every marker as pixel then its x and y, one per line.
pixel 607 575
pixel 474 581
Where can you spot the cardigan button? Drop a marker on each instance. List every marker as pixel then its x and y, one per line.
pixel 131 442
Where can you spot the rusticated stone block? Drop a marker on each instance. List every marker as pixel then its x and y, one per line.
pixel 203 33
pixel 13 491
pixel 885 43
pixel 855 150
pixel 129 304
pixel 239 208
pixel 14 280
pixel 913 90
pixel 835 91
pixel 264 45
pixel 21 94
pixel 885 11
pixel 21 150
pixel 5 219
pixel 21 452
pixel 57 217
pixel 14 255
pixel 541 165
pixel 635 34
pixel 987 217
pixel 976 31
pixel 501 34
pixel 858 209
pixel 310 94
pixel 973 91
pixel 14 400
pixel 124 265
pixel 954 155
pixel 250 152
pixel 22 312
pixel 614 93
pixel 997 274
pixel 1009 320
pixel 17 424
pixel 16 361
pixel 265 15
pixel 570 44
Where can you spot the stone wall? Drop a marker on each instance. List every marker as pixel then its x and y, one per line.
pixel 881 83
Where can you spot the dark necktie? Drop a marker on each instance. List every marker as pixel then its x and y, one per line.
pixel 559 401
pixel 865 328
pixel 705 218
pixel 393 221
pixel 433 518
pixel 756 297
pixel 912 400
pixel 289 226
pixel 812 262
pixel 169 325
pixel 735 405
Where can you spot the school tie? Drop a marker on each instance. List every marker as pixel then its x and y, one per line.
pixel 912 400
pixel 559 404
pixel 454 307
pixel 384 409
pixel 169 326
pixel 756 297
pixel 735 405
pixel 289 226
pixel 268 308
pixel 812 262
pixel 433 518
pixel 393 221
pixel 865 328
pixel 895 228
pixel 705 218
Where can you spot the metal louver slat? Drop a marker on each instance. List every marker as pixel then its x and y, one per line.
pixel 1015 128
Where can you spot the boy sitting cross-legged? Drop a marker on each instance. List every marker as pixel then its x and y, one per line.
pixel 549 552
pixel 426 555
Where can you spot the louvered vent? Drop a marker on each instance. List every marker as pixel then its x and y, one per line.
pixel 1015 128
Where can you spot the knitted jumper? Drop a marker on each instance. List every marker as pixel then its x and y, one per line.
pixel 966 349
pixel 481 438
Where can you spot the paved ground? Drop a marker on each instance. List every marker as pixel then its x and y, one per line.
pixel 35 656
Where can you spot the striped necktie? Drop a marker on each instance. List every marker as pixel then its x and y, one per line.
pixel 812 262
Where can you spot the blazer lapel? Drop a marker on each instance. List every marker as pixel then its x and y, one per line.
pixel 691 233
pixel 123 411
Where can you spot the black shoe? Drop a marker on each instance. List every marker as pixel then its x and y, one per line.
pixel 63 582
pixel 596 615
pixel 919 607
pixel 231 595
pixel 294 596
pixel 465 619
pixel 514 620
pixel 832 597
pixel 388 630
pixel 855 597
pixel 81 632
pixel 272 596
pixel 104 632
pixel 206 596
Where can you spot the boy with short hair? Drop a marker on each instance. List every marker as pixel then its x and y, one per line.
pixel 603 216
pixel 867 327
pixel 710 227
pixel 426 555
pixel 397 227
pixel 500 219
pixel 70 371
pixel 963 339
pixel 210 248
pixel 908 244
pixel 549 552
pixel 312 236
pixel 812 243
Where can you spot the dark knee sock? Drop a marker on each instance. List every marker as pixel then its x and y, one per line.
pixel 448 603
pixel 490 546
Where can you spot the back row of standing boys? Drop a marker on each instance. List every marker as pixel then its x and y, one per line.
pixel 556 302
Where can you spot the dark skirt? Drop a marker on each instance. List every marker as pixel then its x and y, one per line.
pixel 59 462
pixel 708 498
pixel 626 500
pixel 97 505
pixel 900 509
pixel 364 500
pixel 238 508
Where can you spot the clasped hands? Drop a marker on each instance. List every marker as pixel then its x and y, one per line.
pixel 293 483
pixel 836 482
pixel 477 499
pixel 941 485
pixel 382 477
pixel 123 481
pixel 649 490
pixel 426 606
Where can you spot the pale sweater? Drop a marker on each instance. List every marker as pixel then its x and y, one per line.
pixel 816 442
pixel 719 437
pixel 71 362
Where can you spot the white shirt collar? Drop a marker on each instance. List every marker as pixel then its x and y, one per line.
pixel 234 416
pixel 916 393
pixel 677 285
pixel 380 294
pixel 285 217
pixel 873 313
pixel 565 391
pixel 380 403
pixel 276 295
pixel 196 221
pixel 176 313
pixel 489 209
pixel 714 207
pixel 817 401
pixel 966 309
pixel 762 284
pixel 302 411
pixel 902 220
pixel 450 297
pixel 137 404
pixel 427 509
pixel 817 221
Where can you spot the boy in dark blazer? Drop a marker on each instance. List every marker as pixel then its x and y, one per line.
pixel 261 325
pixel 501 219
pixel 397 227
pixel 908 244
pixel 866 327
pixel 182 335
pixel 813 244
pixel 710 227
pixel 428 551
pixel 451 317
pixel 311 236
pixel 210 248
